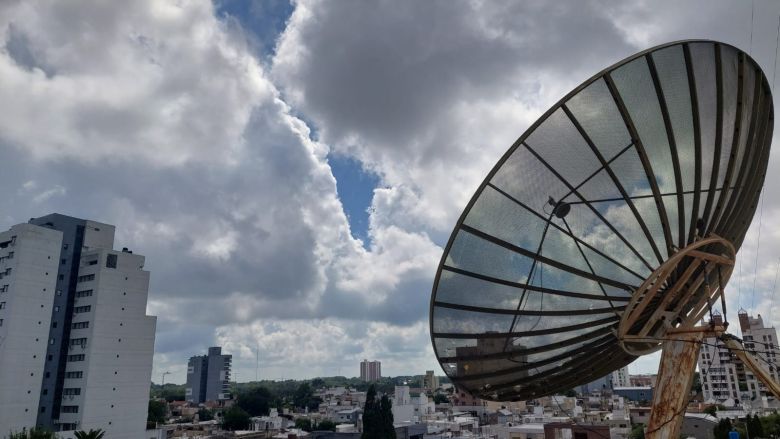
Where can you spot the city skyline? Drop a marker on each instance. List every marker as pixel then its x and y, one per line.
pixel 294 208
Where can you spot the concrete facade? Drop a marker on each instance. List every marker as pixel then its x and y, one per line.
pixel 29 258
pixel 208 377
pixel 98 342
pixel 370 370
pixel 724 378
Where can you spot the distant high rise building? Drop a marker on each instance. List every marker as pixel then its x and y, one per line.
pixel 76 344
pixel 724 376
pixel 208 377
pixel 430 381
pixel 620 378
pixel 370 370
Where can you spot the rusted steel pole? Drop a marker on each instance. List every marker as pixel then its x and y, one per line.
pixel 673 387
pixel 753 364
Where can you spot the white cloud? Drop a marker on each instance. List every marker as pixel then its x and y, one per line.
pixel 158 118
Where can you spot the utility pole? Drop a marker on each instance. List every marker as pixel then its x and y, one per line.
pixel 163 377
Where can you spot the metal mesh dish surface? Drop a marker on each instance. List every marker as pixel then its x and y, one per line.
pixel 666 145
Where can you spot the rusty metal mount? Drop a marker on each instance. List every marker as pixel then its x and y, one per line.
pixel 676 296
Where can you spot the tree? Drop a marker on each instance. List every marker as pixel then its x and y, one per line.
pixel 157 411
pixel 235 418
pixel 256 401
pixel 377 417
pixel 753 426
pixel 34 433
pixel 721 431
pixel 638 431
pixel 326 425
pixel 386 417
pixel 711 410
pixel 318 383
pixel 440 398
pixel 304 397
pixel 303 423
pixel 205 414
pixel 370 421
pixel 92 434
pixel 696 382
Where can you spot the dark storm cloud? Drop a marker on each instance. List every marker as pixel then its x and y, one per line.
pixel 386 71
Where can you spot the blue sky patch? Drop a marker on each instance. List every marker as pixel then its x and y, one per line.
pixel 263 19
pixel 355 188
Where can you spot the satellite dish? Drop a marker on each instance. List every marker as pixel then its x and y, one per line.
pixel 613 220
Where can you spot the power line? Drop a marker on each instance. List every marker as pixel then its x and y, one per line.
pixel 758 247
pixel 777 43
pixel 752 14
pixel 774 290
pixel 739 285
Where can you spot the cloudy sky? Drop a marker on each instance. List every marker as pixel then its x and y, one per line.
pixel 293 170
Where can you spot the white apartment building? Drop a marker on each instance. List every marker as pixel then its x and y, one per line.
pixel 28 269
pixel 724 378
pixel 620 378
pixel 99 342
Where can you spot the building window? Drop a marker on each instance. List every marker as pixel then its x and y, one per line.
pixel 111 261
pixel 84 293
pixel 78 341
pixel 92 262
pixel 80 325
pixel 4 289
pixel 63 261
pixel 2 305
pixel 10 255
pixel 61 277
pixel 1 322
pixel 86 278
pixel 56 308
pixel 74 374
pixel 81 309
pixel 71 391
pixel 77 357
pixel 70 409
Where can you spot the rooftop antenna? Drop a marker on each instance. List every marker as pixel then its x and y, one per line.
pixel 619 192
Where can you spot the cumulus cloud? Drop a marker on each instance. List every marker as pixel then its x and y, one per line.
pixel 161 119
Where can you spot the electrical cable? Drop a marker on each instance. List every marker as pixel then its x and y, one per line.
pixel 777 44
pixel 752 15
pixel 739 286
pixel 774 290
pixel 758 247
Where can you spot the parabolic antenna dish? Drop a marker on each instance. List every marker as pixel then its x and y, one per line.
pixel 655 154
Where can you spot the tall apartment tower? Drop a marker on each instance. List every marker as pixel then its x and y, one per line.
pixel 620 378
pixel 370 370
pixel 430 381
pixel 208 377
pixel 724 376
pixel 94 368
